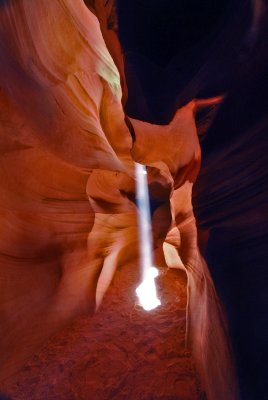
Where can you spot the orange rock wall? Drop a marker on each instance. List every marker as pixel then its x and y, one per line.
pixel 68 190
pixel 60 117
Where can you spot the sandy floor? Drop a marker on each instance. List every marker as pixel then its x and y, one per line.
pixel 121 353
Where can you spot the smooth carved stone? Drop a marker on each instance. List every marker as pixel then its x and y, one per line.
pixel 60 113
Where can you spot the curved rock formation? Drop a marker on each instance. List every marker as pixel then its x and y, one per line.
pixel 230 201
pixel 57 79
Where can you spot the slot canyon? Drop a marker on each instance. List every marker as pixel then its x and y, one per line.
pixel 89 89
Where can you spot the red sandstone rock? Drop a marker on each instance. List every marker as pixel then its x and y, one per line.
pixel 68 216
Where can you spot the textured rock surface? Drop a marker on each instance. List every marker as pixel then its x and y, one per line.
pixel 230 197
pixel 232 212
pixel 57 81
pixel 121 353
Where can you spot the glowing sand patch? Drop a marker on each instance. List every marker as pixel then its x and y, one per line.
pixel 146 291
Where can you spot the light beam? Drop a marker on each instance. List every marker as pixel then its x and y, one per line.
pixel 146 291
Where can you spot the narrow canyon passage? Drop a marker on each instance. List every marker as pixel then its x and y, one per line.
pixel 122 352
pixel 88 89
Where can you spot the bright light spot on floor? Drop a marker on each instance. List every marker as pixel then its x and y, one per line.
pixel 147 291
